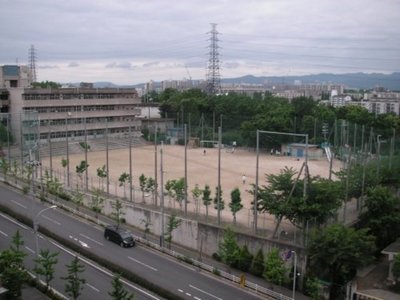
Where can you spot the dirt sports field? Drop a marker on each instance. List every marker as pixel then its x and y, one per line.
pixel 202 169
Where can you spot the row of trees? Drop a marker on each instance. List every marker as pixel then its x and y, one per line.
pixel 243 115
pixel 13 274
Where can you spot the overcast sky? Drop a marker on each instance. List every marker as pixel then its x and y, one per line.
pixel 134 41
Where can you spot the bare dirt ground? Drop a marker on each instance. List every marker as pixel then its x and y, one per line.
pixel 202 169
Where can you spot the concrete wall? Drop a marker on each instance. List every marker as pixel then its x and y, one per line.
pixel 205 238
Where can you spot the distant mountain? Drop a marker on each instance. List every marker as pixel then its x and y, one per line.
pixel 350 80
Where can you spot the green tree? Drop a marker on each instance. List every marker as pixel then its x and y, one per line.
pixel 118 292
pixel 396 268
pixel 313 288
pixel 228 248
pixel 80 169
pixel 257 265
pixel 382 215
pixel 12 270
pixel 117 213
pixel 173 223
pixel 102 174
pixel 150 185
pixel 206 198
pixel 45 265
pixel 97 201
pixel 337 251
pixel 277 196
pixel 46 84
pixel 123 179
pixel 77 198
pixel 64 164
pixel 74 283
pixel 274 268
pixel 169 187
pixel 142 183
pixel 236 203
pixel 179 191
pixel 219 203
pixel 196 194
pixel 245 259
pixel 4 166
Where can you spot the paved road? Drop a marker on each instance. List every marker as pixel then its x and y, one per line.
pixel 98 280
pixel 181 279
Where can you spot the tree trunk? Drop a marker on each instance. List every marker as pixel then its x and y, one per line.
pixel 278 223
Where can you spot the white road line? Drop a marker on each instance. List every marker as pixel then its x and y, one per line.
pixel 90 239
pixel 51 220
pixel 143 264
pixel 104 271
pixel 19 204
pixel 204 292
pixel 30 250
pixel 3 233
pixel 197 298
pixel 13 221
pixel 187 294
pixel 179 290
pixel 92 287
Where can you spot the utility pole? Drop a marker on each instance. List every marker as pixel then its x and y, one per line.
pixel 219 176
pixel 186 185
pixel 162 193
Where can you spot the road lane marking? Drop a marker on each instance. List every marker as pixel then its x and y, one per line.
pixel 51 220
pixel 197 298
pixel 3 233
pixel 143 264
pixel 179 290
pixel 92 287
pixel 104 271
pixel 204 292
pixel 19 204
pixel 29 249
pixel 90 239
pixel 187 294
pixel 13 221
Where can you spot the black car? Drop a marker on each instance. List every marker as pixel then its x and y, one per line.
pixel 119 236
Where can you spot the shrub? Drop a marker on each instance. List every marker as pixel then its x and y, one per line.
pixel 244 260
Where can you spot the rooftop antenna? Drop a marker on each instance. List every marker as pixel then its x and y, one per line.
pixel 213 77
pixel 32 63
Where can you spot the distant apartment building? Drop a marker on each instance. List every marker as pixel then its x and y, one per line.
pixel 375 102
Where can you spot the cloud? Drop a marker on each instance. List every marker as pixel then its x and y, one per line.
pixel 48 66
pixel 160 40
pixel 73 65
pixel 120 65
pixel 151 64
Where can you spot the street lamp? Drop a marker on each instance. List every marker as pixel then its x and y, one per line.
pixel 294 273
pixel 35 226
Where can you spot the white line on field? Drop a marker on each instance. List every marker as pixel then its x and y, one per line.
pixel 204 292
pixel 51 220
pixel 3 233
pixel 19 204
pixel 90 239
pixel 143 264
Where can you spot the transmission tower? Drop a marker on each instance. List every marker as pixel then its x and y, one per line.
pixel 32 62
pixel 213 77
